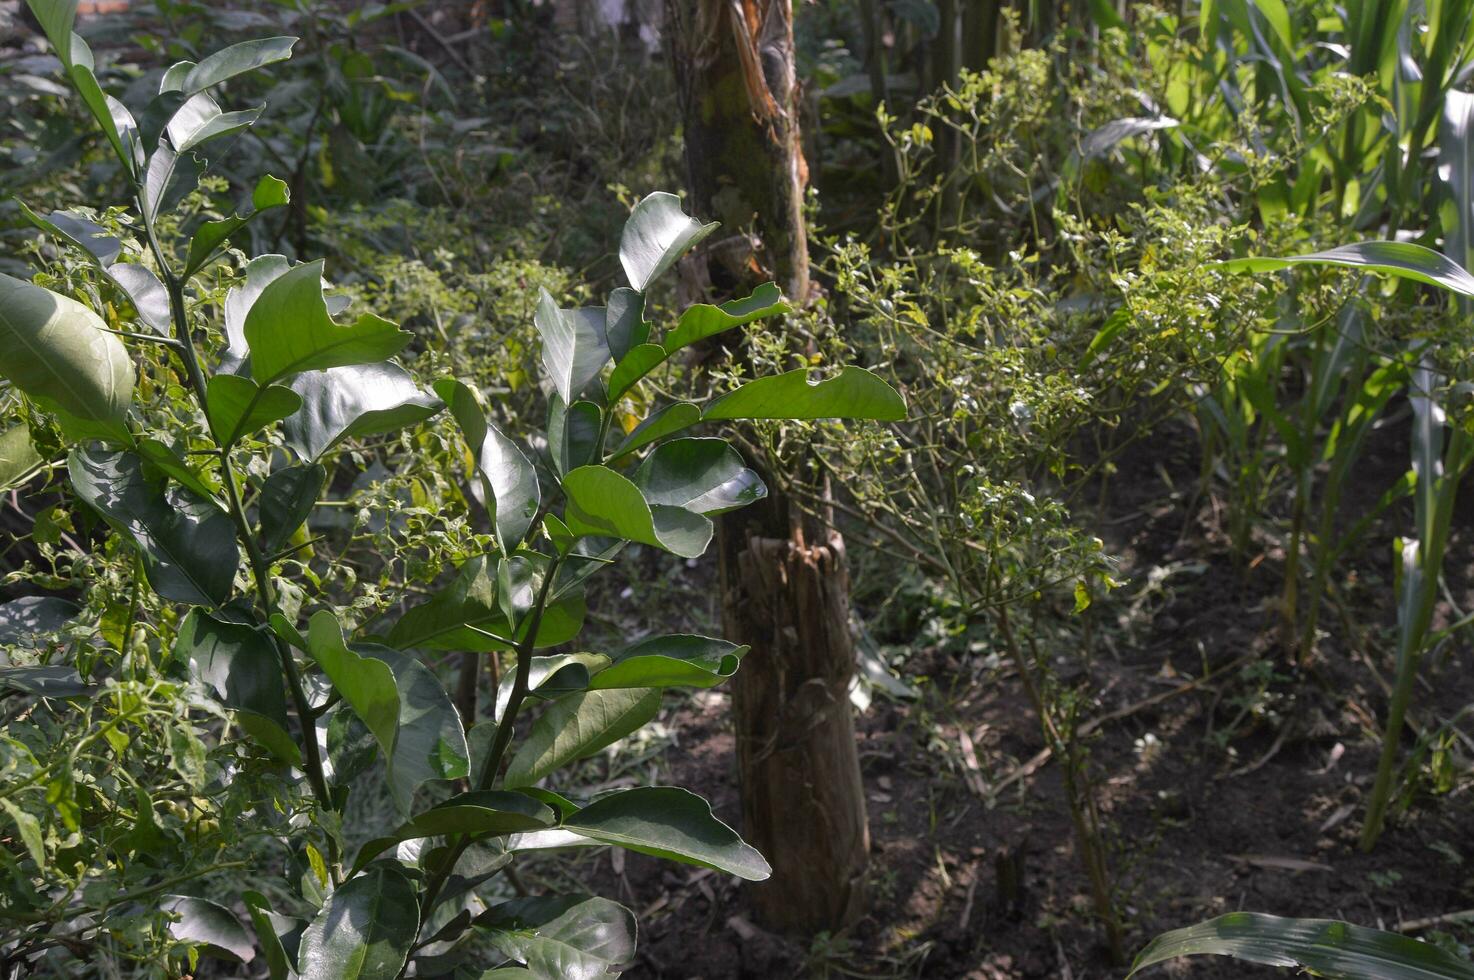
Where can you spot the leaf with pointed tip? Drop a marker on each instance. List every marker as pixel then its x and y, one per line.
pixel 466 616
pixel 640 361
pixel 206 924
pixel 1324 947
pixel 270 193
pixel 483 813
pixel 353 401
pixel 145 292
pixel 702 320
pixel 78 232
pixel 55 681
pixel 577 726
pixel 1402 259
pixel 679 660
pixel 671 823
pixel 655 237
pixel 508 478
pixel 166 459
pixel 236 60
pixel 236 406
pixel 259 273
pixel 111 115
pixel 59 352
pixel 171 177
pixel 31 617
pixel 365 683
pixel 669 420
pixel 288 330
pixel 552 677
pixel 270 929
pixel 56 18
pixel 199 119
pixel 188 544
pixel 364 931
pixel 287 499
pixel 575 347
pixel 624 321
pixel 704 476
pixel 854 393
pixel 603 503
pixel 573 433
pixel 563 937
pixel 240 664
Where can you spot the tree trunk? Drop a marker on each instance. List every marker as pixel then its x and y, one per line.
pixel 784 582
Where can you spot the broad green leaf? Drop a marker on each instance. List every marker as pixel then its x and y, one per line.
pixel 199 119
pixel 212 235
pixel 1402 259
pixel 287 499
pixel 601 502
pixel 31 617
pixel 400 701
pixel 259 273
pixel 553 677
pixel 640 361
pixel 162 456
pixel 669 420
pixel 270 928
pixel 655 237
pixel 188 544
pixel 573 433
pixel 679 660
pixel 18 458
pixel 670 823
pixel 575 348
pixel 146 293
pixel 365 929
pixel 77 231
pixel 170 178
pixel 1325 947
pixel 624 321
pixel 240 664
pixel 29 829
pixel 58 352
pixel 236 60
pixel 1456 169
pixel 111 115
pixel 288 330
pixel 565 937
pixel 466 616
pixel 704 476
pixel 354 401
pixel 854 393
pixel 56 18
pixel 702 320
pixel 201 922
pixel 236 406
pixel 54 681
pixel 507 478
pixel 478 813
pixel 576 727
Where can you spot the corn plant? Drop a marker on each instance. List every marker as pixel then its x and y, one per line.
pixel 214 511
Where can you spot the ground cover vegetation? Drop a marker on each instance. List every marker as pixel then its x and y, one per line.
pixel 379 428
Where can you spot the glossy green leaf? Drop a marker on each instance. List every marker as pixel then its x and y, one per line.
pixel 507 478
pixel 18 457
pixel 236 60
pixel 241 666
pixel 31 617
pixel 56 18
pixel 214 928
pixel 575 347
pixel 199 119
pixel 624 321
pixel 1402 259
pixel 213 235
pixel 1324 947
pixel 58 352
pixel 288 330
pixel 146 293
pixel 78 232
pixel 854 393
pixel 259 273
pixel 287 499
pixel 485 813
pixel 552 677
pixel 466 616
pixel 165 458
pixel 352 402
pixel 576 727
pixel 366 683
pixel 704 476
pixel 602 502
pixel 365 929
pixel 669 420
pixel 170 178
pixel 111 116
pixel 573 433
pixel 670 823
pixel 236 406
pixel 52 681
pixel 702 320
pixel 188 544
pixel 572 937
pixel 679 660
pixel 640 361
pixel 655 237
pixel 270 929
